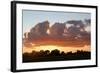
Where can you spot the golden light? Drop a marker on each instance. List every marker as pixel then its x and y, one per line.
pixel 47 47
pixel 88 28
pixel 48 31
pixel 52 47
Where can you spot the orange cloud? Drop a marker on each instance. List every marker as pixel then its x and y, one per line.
pixel 74 36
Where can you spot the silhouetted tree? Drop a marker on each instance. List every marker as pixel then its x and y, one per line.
pixel 54 55
pixel 47 52
pixel 55 52
pixel 62 53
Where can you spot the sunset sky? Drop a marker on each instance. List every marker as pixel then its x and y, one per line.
pixel 48 30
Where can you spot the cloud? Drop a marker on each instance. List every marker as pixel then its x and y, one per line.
pixel 88 21
pixel 78 32
pixel 39 31
pixel 57 29
pixel 59 34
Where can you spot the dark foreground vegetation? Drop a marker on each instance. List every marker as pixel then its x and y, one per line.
pixel 55 55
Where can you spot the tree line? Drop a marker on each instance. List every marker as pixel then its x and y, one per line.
pixel 55 55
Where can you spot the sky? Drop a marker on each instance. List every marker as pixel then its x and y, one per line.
pixel 47 30
pixel 32 17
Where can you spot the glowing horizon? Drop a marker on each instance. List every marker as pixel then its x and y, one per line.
pixel 52 47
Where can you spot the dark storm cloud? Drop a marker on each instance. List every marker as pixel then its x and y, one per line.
pixel 77 31
pixel 73 31
pixel 88 21
pixel 40 30
pixel 57 29
pixel 77 23
pixel 75 35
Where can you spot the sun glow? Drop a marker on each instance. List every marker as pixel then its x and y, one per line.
pixel 47 47
pixel 52 47
pixel 48 31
